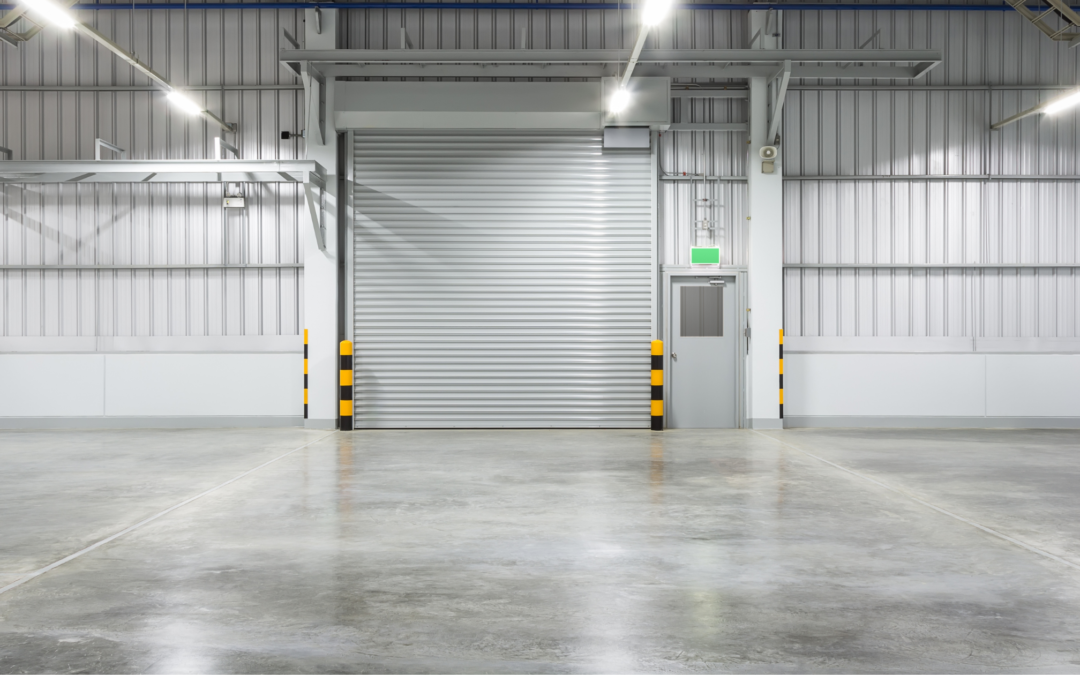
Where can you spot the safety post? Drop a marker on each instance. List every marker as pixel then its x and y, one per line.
pixel 657 385
pixel 345 419
pixel 305 373
pixel 781 373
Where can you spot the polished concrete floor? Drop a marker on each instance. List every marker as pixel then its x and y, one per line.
pixel 539 551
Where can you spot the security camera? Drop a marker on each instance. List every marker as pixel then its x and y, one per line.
pixel 768 152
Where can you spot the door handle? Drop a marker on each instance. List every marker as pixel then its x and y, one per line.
pixel 674 356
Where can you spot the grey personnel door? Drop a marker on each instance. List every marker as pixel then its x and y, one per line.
pixel 703 352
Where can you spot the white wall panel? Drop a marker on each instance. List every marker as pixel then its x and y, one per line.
pixel 908 385
pixel 851 386
pixel 52 385
pixel 1032 385
pixel 151 385
pixel 169 385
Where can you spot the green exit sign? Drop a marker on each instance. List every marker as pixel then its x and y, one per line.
pixel 704 256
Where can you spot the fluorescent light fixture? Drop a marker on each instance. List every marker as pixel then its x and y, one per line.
pixel 619 100
pixel 184 103
pixel 655 11
pixel 1063 104
pixel 51 12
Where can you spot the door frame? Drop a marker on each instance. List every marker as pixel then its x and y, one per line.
pixel 672 272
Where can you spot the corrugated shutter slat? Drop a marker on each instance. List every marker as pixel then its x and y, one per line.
pixel 501 280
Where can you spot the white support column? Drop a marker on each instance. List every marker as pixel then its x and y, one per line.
pixel 321 267
pixel 766 212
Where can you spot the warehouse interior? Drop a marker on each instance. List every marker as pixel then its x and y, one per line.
pixel 539 336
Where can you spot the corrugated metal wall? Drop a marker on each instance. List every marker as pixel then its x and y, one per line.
pixel 899 137
pixel 828 132
pixel 141 224
pixel 686 205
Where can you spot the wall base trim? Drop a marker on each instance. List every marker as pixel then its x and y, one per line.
pixel 207 422
pixel 321 424
pixel 899 422
pixel 768 423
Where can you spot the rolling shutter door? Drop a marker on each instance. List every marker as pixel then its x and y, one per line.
pixel 500 280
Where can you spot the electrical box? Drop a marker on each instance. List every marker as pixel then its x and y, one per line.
pixel 234 203
pixel 626 137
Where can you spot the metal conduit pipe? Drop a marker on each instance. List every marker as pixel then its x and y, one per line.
pixel 817 7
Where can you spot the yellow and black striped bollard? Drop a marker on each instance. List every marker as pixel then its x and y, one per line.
pixel 305 373
pixel 345 414
pixel 781 373
pixel 657 385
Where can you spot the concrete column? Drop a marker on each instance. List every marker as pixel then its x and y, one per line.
pixel 765 269
pixel 321 282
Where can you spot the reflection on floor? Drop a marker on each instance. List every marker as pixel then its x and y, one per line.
pixel 540 551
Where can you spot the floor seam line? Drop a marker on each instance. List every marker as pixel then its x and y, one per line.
pixel 923 502
pixel 146 521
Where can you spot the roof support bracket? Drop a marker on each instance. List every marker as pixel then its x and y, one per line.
pixel 315 212
pixel 221 147
pixel 290 39
pixel 100 144
pixel 780 86
pixel 313 179
pixel 12 39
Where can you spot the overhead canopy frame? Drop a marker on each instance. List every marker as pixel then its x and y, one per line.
pixel 596 63
pixel 163 171
pixel 308 173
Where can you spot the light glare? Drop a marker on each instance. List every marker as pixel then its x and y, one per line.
pixel 1063 104
pixel 184 103
pixel 51 12
pixel 619 100
pixel 655 11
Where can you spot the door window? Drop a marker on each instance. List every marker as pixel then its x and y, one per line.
pixel 702 311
